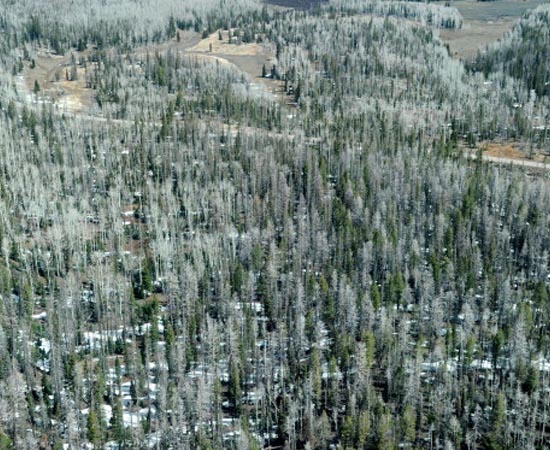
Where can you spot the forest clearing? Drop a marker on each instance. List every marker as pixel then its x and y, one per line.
pixel 484 24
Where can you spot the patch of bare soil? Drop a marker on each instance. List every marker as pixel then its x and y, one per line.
pixel 512 150
pixel 502 150
pixel 73 95
pixel 511 154
pixel 57 79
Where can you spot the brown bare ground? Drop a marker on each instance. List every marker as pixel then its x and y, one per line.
pixel 510 152
pixel 50 72
pixel 502 150
pixel 74 96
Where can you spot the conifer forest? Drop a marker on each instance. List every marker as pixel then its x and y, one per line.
pixel 293 224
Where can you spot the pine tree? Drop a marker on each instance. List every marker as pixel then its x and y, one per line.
pixel 94 428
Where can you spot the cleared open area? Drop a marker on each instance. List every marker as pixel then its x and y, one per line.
pixel 484 23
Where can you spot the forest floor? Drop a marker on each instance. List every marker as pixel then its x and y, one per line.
pixel 484 23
